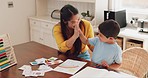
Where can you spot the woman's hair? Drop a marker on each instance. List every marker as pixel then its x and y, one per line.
pixel 109 28
pixel 66 14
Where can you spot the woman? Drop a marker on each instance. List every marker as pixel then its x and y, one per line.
pixel 66 33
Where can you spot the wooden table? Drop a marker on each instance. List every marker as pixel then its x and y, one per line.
pixel 30 51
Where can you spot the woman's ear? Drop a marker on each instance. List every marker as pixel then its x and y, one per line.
pixel 65 21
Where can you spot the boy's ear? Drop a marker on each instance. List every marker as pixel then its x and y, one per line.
pixel 111 38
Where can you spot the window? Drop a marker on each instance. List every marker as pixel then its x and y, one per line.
pixel 136 6
pixel 142 4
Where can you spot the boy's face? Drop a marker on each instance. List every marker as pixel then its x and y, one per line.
pixel 102 37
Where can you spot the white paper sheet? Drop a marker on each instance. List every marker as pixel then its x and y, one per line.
pixel 90 72
pixel 70 66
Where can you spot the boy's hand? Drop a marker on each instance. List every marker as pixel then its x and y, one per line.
pixel 104 63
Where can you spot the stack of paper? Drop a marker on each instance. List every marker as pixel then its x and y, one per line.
pixel 27 71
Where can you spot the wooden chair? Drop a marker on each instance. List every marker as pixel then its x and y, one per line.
pixel 135 62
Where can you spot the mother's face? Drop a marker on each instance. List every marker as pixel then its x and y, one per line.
pixel 75 20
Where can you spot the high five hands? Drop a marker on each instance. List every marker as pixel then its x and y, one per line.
pixel 77 30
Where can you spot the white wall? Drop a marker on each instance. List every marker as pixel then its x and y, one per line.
pixel 15 20
pixel 101 5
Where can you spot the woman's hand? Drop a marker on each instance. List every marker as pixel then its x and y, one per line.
pixel 76 30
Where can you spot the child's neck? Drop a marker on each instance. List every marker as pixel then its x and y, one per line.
pixel 111 41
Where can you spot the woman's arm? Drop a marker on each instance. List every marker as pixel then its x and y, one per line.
pixel 89 33
pixel 71 40
pixel 63 45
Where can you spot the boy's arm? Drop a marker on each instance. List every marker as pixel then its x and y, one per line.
pixel 83 38
pixel 118 60
pixel 114 66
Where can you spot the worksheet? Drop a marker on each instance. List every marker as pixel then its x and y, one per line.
pixel 70 66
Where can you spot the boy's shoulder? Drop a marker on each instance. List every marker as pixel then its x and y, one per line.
pixel 118 48
pixel 96 38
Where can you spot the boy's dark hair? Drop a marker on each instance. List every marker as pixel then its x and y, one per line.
pixel 109 28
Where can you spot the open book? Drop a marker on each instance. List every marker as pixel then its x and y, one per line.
pixel 90 72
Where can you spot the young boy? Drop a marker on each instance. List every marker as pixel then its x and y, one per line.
pixel 107 52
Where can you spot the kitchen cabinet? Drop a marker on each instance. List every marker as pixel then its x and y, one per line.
pixel 89 1
pixel 41 31
pixel 95 7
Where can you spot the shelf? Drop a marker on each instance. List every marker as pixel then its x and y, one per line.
pixel 133 43
pixel 133 38
pixel 120 42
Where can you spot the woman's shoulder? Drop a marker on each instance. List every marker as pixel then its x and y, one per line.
pixel 85 21
pixel 57 26
pixel 87 24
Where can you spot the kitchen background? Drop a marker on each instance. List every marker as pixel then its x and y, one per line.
pixel 81 6
pixel 14 20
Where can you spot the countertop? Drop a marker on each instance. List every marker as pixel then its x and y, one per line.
pixel 130 31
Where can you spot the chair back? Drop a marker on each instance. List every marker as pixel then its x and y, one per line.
pixel 135 61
